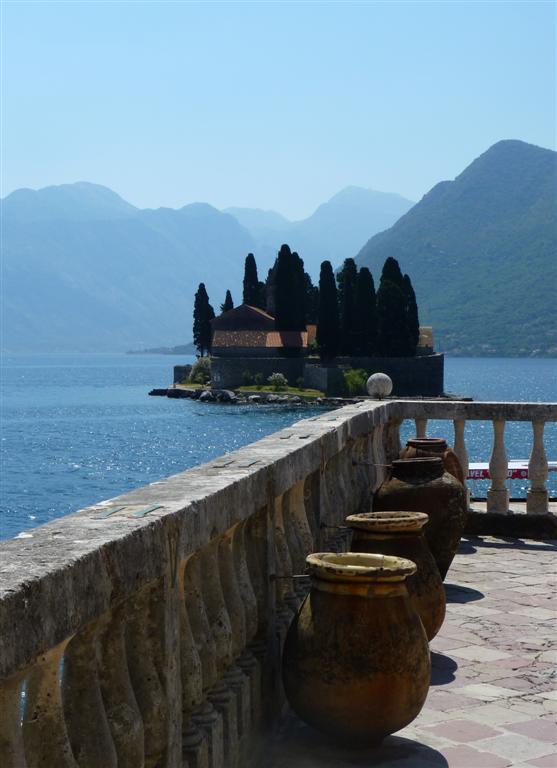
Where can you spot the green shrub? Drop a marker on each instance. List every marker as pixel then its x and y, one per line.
pixel 278 381
pixel 300 382
pixel 201 371
pixel 247 378
pixel 258 380
pixel 355 381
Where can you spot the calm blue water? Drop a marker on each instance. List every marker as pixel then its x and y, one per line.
pixel 77 429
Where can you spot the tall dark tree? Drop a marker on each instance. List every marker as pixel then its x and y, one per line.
pixel 366 314
pixel 312 300
pixel 328 324
pixel 252 286
pixel 228 304
pixel 391 271
pixel 412 320
pixel 392 329
pixel 203 313
pixel 347 280
pixel 286 297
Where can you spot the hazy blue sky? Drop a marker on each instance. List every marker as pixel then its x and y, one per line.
pixel 272 105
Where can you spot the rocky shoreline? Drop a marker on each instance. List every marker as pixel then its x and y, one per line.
pixel 233 397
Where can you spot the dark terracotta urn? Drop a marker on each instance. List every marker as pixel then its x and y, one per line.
pixel 423 485
pixel 356 660
pixel 426 447
pixel 400 534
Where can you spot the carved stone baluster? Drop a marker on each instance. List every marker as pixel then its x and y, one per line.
pixel 537 496
pixel 392 439
pixel 294 539
pixel 221 696
pixel 247 660
pixel 86 720
pixel 247 592
pixel 498 495
pixel 11 738
pixel 146 681
pixel 312 507
pixel 195 749
pixel 206 717
pixel 44 726
pixel 234 677
pixel 421 426
pixel 287 602
pixel 122 709
pixel 379 456
pixel 460 450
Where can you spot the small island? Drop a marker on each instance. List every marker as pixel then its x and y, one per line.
pixel 288 333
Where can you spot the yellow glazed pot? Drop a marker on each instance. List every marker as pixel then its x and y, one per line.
pixel 400 534
pixel 356 660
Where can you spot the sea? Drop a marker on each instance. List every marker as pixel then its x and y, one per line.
pixel 77 429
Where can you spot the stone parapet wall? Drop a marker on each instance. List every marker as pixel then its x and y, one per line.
pixel 412 376
pixel 163 603
pixel 227 372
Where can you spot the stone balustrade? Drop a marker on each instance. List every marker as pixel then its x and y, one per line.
pixel 537 414
pixel 145 631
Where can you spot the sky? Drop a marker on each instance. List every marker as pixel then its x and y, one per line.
pixel 274 105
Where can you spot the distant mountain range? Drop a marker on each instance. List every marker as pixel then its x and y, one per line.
pixel 482 254
pixel 335 231
pixel 83 270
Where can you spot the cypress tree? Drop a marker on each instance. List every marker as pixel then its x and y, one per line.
pixel 392 330
pixel 252 290
pixel 203 313
pixel 366 314
pixel 328 325
pixel 312 300
pixel 412 320
pixel 347 280
pixel 298 302
pixel 228 304
pixel 286 297
pixel 391 271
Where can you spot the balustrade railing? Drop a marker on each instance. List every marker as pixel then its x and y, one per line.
pixel 146 631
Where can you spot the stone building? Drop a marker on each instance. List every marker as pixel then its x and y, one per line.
pixel 245 340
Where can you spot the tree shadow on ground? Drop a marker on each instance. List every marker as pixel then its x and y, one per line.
pixel 547 545
pixel 300 745
pixel 456 593
pixel 443 668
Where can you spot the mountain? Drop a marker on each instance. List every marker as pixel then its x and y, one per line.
pixel 482 254
pixel 335 231
pixel 257 221
pixel 82 270
pixel 81 201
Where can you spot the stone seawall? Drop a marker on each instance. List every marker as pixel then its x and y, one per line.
pixel 411 376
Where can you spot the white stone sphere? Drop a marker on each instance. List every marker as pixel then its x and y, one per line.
pixel 379 385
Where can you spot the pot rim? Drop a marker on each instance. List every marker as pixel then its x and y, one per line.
pixel 399 521
pixel 358 567
pixel 427 442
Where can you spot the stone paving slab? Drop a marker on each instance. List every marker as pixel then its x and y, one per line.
pixel 493 698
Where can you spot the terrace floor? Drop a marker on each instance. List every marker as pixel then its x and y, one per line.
pixel 493 697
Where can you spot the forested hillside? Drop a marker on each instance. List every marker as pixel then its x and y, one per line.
pixel 482 251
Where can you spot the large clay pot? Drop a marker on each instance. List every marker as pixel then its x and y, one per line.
pixel 422 485
pixel 400 534
pixel 424 447
pixel 356 660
